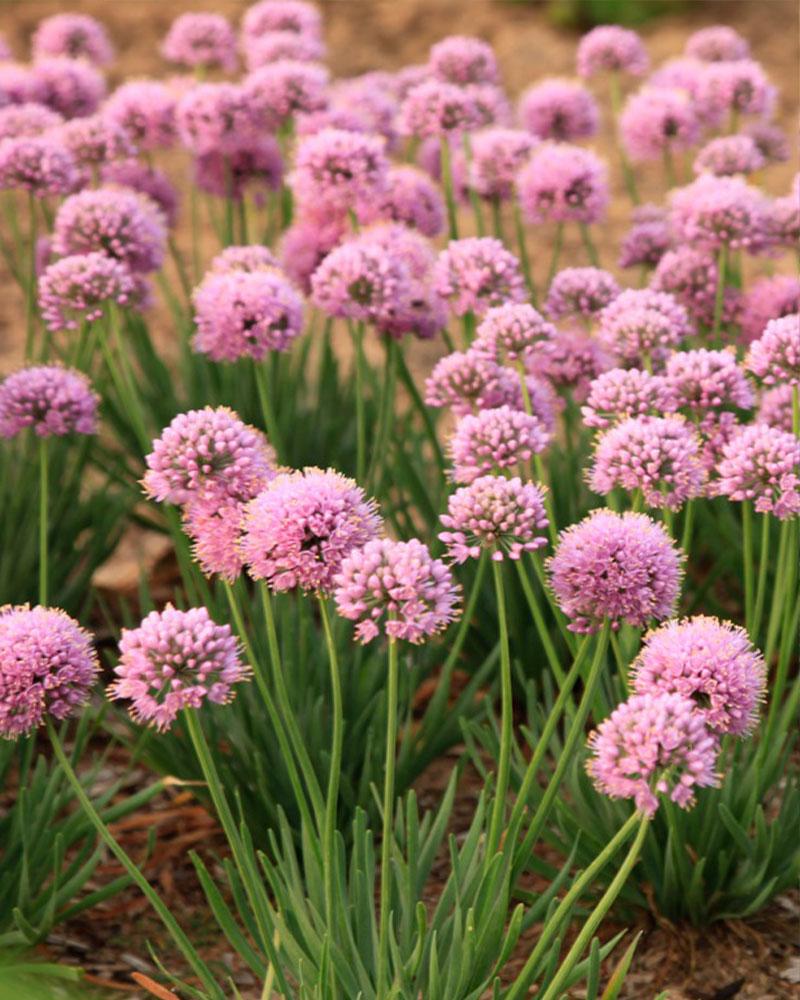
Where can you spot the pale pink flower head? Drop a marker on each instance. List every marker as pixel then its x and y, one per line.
pixel 775 356
pixel 176 660
pixel 653 744
pixel 615 567
pixel 397 587
pixel 275 45
pixel 783 221
pixel 661 456
pixel 497 156
pixel 71 87
pixel 435 108
pixel 50 399
pixel 299 530
pixel 713 212
pixel 728 155
pixel 278 91
pixel 77 289
pixel 48 667
pixel 477 273
pixel 691 275
pixel 215 529
pixel 640 322
pixel 304 246
pixel 562 183
pixel 412 199
pixel 775 407
pixel 611 49
pixel 146 180
pixel 74 36
pixel 201 40
pixel 571 361
pixel 770 139
pixel 370 98
pixel 145 109
pixel 462 60
pixel 505 516
pixel 215 117
pixel 621 393
pixel 492 107
pixel 245 314
pixel 710 662
pixel 95 140
pixel 512 332
pixel 40 165
pixel 281 15
pixel 559 109
pixel 646 241
pixel 208 454
pixel 717 43
pixel 469 381
pixel 739 86
pixel 244 258
pixel 580 292
pixel 19 84
pixel 18 120
pixel 255 166
pixel 494 441
pixel 704 381
pixel 657 120
pixel 768 298
pixel 762 464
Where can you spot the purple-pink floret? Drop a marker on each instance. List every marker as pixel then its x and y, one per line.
pixel 96 140
pixel 563 183
pixel 775 407
pixel 40 165
pixel 281 15
pixel 729 155
pixel 17 120
pixel 145 109
pixel 714 212
pixel 658 120
pixel 762 464
pixel 768 298
pixel 203 40
pixel 495 440
pixel 775 356
pixel 477 273
pixel 497 156
pixel 288 87
pixel 71 87
pixel 468 381
pixel 626 392
pixel 411 198
pixel 691 275
pixel 50 399
pixel 737 86
pixel 703 381
pixel 253 257
pixel 512 333
pixel 611 49
pixel 146 180
pixel 580 291
pixel 215 529
pixel 77 289
pixel 646 242
pixel 74 36
pixel 435 108
pixel 215 117
pixel 462 60
pixel 558 109
pixel 717 43
pixel 641 322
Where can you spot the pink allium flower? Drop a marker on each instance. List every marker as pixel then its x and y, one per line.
pixel 766 299
pixel 145 109
pixel 40 165
pixel 775 356
pixel 559 109
pixel 469 380
pixel 285 88
pixel 19 84
pixel 661 456
pixel 247 258
pixel 609 48
pixel 215 117
pixel 783 221
pixel 413 199
pixel 739 86
pixel 216 530
pixel 657 119
pixel 775 407
pixel 204 40
pixel 95 140
pixel 77 289
pixel 275 45
pixel 311 122
pixel 512 332
pixel 686 73
pixel 50 399
pixel 299 530
pixel 434 108
pixel 492 107
pixel 506 516
pixel 690 275
pixel 653 744
pixel 717 43
pixel 616 567
pixel 497 156
pixel 494 440
pixel 146 180
pixel 304 246
pixel 580 291
pixel 256 165
pixel 563 184
pixel 173 661
pixel 729 155
pixel 477 273
pixel 120 223
pixel 645 243
pixel 245 314
pixel 47 667
pixel 397 586
pixel 209 455
pixel 75 36
pixel 643 322
pixel 18 120
pixel 704 380
pixel 771 141
pixel 281 15
pixel 372 101
pixel 461 59
pixel 762 464
pixel 712 663
pixel 712 212
pixel 621 393
pixel 571 361
pixel 71 87
pixel 338 171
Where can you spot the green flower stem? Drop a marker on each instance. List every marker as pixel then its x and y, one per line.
pixel 243 227
pixel 781 576
pixel 506 719
pixel 387 413
pixel 30 291
pixel 588 242
pixel 796 410
pixel 763 564
pixel 668 518
pixel 473 194
pixel 590 925
pixel 388 822
pixel 688 525
pixel 497 219
pixel 194 209
pixel 447 180
pixel 719 298
pixel 785 598
pixel 569 637
pixel 522 246
pixel 538 464
pixel 332 798
pixel 183 943
pixel 747 552
pixel 411 387
pixel 180 268
pixel 622 666
pixel 524 979
pixel 44 503
pixel 539 622
pixel 267 409
pixel 669 168
pixel 557 243
pixel 128 398
pixel 357 333
pixel 615 94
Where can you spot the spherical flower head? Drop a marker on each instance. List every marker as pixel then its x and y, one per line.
pixel 559 109
pixel 18 120
pixel 493 441
pixel 281 15
pixel 48 667
pixel 208 454
pixel 512 333
pixel 615 567
pixel 611 49
pixel 244 258
pixel 215 529
pixel 299 530
pixel 691 276
pixel 645 243
pixel 762 464
pixel 215 117
pixel 709 662
pixel 570 362
pixel 74 36
pixel 120 223
pixel 275 45
pixel 783 222
pixel 703 381
pixel 775 356
pixel 71 87
pixel 77 289
pixel 505 516
pixel 256 165
pixel 461 60
pixel 173 661
pixel 739 86
pixel 580 292
pixel 717 43
pixel 641 322
pixel 412 199
pixel 477 273
pixel 653 744
pixel 145 109
pixel 285 88
pixel 338 171
pixel 397 587
pixel 563 183
pixel 435 109
pixel 360 280
pixel 50 399
pixel 713 212
pixel 766 299
pixel 729 155
pixel 304 246
pixel 19 84
pixel 661 456
pixel 467 381
pixel 95 140
pixel 771 141
pixel 40 165
pixel 146 180
pixel 246 314
pixel 205 40
pixel 621 393
pixel 775 407
pixel 370 98
pixel 498 154
pixel 657 120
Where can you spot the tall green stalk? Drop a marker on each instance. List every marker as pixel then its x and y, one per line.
pixel 332 798
pixel 267 409
pixel 506 717
pixel 44 504
pixel 388 821
pixel 447 181
pixel 719 298
pixel 615 94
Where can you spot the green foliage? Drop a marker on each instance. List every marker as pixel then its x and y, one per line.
pixel 586 14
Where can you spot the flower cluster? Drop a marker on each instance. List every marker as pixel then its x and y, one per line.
pixel 50 399
pixel 495 440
